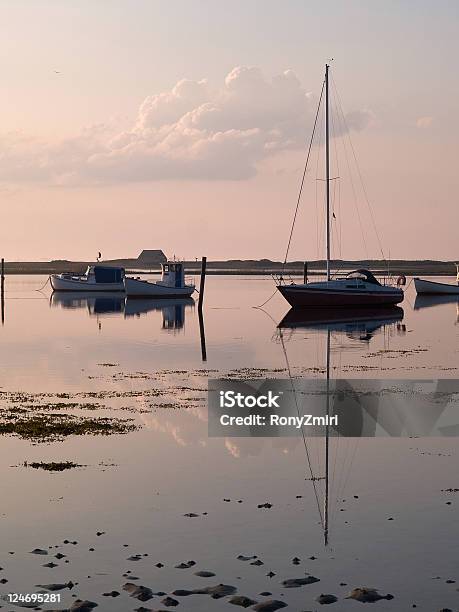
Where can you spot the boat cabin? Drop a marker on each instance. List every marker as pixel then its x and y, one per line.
pixel 361 276
pixel 173 274
pixel 105 274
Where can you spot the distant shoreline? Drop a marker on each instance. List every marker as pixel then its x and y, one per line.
pixel 247 267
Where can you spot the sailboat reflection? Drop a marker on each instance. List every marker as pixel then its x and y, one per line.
pixel 107 304
pixel 359 324
pixel 356 323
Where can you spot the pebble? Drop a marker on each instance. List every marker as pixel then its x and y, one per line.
pixel 292 583
pixel 242 600
pixel 269 606
pixel 142 593
pixel 367 595
pixel 326 599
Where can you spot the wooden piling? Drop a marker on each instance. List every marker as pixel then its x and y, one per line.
pixel 202 283
pixel 305 272
pixel 2 290
pixel 202 335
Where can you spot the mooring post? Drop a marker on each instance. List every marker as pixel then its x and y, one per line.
pixel 202 283
pixel 2 290
pixel 202 335
pixel 305 272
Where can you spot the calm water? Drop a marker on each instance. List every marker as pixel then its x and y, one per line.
pixel 144 361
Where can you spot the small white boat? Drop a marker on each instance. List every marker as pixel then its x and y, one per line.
pixel 96 278
pixel 434 288
pixel 171 285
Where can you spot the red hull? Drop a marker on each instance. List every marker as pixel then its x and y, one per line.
pixel 319 298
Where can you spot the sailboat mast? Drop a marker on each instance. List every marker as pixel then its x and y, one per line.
pixel 327 169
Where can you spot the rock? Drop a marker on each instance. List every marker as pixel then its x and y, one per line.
pixel 216 592
pixel 38 551
pixel 242 600
pixel 159 565
pixel 169 601
pixel 134 558
pixel 111 594
pixel 59 556
pixel 204 574
pixel 270 574
pixel 266 505
pixel 82 606
pixel 367 595
pixel 257 562
pixel 191 515
pixel 265 594
pixel 3 581
pixel 185 565
pixel 269 606
pixel 296 561
pixel 326 599
pixel 292 583
pixel 56 586
pixel 99 533
pixel 50 564
pixel 244 558
pixel 140 592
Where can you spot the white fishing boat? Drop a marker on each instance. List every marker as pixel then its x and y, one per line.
pixel 359 288
pixel 171 285
pixel 427 287
pixel 96 278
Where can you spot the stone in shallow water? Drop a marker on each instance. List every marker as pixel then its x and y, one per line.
pixel 326 598
pixel 169 601
pixel 204 574
pixel 56 586
pixel 82 606
pixel 242 600
pixel 244 558
pixel 38 551
pixel 292 583
pixel 50 564
pixel 269 606
pixel 366 595
pixel 185 565
pixel 216 592
pixel 140 592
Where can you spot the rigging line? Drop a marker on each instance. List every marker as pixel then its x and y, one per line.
pixel 335 136
pixel 47 281
pixel 268 300
pixel 313 480
pixel 346 156
pixel 318 218
pixel 303 177
pixel 370 208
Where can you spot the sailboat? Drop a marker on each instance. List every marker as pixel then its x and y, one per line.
pixel 358 288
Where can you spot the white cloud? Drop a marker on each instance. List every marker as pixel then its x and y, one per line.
pixel 190 132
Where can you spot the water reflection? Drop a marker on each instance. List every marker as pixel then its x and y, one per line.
pixel 173 311
pixel 357 323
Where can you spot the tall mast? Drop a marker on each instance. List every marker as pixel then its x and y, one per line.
pixel 327 170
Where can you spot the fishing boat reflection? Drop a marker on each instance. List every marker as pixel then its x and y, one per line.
pixel 108 304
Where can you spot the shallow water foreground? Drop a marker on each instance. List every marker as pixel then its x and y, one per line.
pixel 105 457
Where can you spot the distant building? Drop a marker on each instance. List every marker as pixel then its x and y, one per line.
pixel 148 256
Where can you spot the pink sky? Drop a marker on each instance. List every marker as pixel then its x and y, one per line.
pixel 126 129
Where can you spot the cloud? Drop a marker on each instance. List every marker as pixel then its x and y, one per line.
pixel 424 122
pixel 191 132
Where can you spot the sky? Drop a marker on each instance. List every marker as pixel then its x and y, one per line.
pixel 183 125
